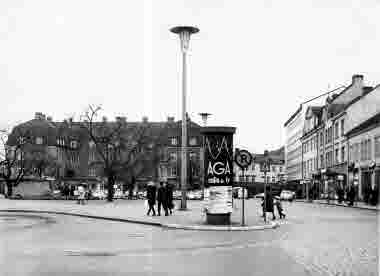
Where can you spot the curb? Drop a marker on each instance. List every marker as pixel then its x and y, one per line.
pixel 340 205
pixel 84 216
pixel 272 225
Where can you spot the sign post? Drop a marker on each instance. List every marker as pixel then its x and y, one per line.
pixel 243 159
pixel 265 168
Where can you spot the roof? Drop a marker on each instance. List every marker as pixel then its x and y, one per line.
pixel 293 116
pixel 373 121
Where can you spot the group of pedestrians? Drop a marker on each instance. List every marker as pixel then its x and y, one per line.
pixel 270 203
pixel 163 194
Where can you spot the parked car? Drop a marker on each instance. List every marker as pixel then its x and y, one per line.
pixel 287 195
pixel 177 195
pixel 118 194
pixel 261 195
pixel 98 194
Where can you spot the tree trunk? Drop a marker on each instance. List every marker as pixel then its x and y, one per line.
pixel 110 183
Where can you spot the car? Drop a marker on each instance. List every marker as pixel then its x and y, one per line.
pixel 118 194
pixel 98 194
pixel 177 195
pixel 261 195
pixel 287 195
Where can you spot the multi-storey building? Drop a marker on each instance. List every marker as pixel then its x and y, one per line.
pixel 312 149
pixel 325 144
pixel 293 147
pixel 75 155
pixel 363 142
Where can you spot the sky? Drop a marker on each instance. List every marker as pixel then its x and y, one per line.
pixel 250 66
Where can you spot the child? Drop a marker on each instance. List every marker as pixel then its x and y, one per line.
pixel 279 208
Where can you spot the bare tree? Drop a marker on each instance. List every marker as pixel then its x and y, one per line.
pixel 13 162
pixel 122 149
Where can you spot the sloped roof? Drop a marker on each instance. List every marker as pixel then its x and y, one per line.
pixel 373 121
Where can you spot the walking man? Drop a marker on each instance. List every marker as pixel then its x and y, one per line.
pixel 151 196
pixel 162 199
pixel 169 193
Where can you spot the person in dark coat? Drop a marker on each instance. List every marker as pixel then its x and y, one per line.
pixel 351 195
pixel 269 204
pixel 169 196
pixel 151 197
pixel 162 199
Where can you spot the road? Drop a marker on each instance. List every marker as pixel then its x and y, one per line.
pixel 313 240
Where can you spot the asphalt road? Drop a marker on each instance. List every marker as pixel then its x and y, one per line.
pixel 313 240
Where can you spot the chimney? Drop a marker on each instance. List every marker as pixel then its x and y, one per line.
pixel 49 118
pixel 170 119
pixel 39 116
pixel 145 119
pixel 357 80
pixel 121 119
pixel 104 119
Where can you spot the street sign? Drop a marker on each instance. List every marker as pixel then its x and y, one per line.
pixel 243 159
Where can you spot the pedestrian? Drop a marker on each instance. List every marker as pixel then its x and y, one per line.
pixel 269 204
pixel 72 190
pixel 351 195
pixel 131 187
pixel 151 197
pixel 169 195
pixel 279 208
pixel 81 194
pixel 162 199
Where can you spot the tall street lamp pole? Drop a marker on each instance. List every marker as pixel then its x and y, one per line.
pixel 204 116
pixel 184 33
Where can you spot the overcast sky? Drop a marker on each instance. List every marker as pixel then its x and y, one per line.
pixel 251 65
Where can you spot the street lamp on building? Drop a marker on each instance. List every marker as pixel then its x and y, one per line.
pixel 184 33
pixel 204 116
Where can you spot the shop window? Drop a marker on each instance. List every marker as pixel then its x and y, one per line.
pixel 343 153
pixel 173 141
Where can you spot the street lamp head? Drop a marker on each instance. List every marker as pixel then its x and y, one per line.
pixel 204 116
pixel 184 33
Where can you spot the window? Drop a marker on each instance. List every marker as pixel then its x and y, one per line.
pixel 342 127
pixel 173 171
pixel 336 130
pixel 321 158
pixel 342 154
pixel 74 144
pixel 336 156
pixel 39 140
pixel 369 149
pixel 193 141
pixel 377 146
pixel 193 156
pixel 280 168
pixel 173 156
pixel 321 139
pixel 173 141
pixel 273 168
pixel 362 153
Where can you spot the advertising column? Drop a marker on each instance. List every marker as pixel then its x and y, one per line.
pixel 218 172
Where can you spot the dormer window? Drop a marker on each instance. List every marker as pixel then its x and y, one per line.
pixel 74 144
pixel 39 140
pixel 193 141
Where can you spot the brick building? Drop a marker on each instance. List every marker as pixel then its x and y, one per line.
pixel 75 156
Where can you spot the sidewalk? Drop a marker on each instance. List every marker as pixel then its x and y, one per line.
pixel 360 205
pixel 134 211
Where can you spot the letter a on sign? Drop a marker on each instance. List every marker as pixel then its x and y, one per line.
pixel 227 171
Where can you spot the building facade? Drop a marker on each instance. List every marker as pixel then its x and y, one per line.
pixel 75 156
pixel 293 146
pixel 363 142
pixel 326 145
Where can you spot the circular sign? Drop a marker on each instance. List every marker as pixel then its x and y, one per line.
pixel 243 158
